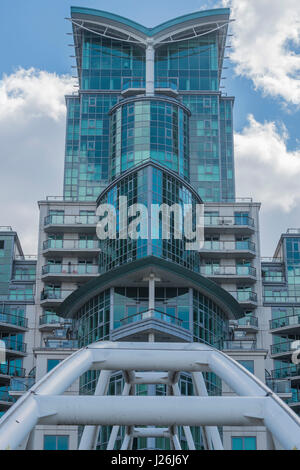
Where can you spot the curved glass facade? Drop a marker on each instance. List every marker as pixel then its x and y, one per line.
pixel 149 185
pixel 149 129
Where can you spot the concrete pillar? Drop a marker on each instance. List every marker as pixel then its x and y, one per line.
pixel 150 55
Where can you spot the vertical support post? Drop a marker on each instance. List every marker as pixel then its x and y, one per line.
pixel 212 433
pixel 114 432
pixel 89 436
pixel 186 429
pixel 150 55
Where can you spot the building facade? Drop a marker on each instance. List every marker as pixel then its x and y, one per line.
pixel 151 125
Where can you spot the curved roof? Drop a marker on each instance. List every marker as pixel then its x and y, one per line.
pixel 81 12
pixel 180 274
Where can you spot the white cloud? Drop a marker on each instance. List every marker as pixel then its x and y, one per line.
pixel 265 168
pixel 266 35
pixel 32 132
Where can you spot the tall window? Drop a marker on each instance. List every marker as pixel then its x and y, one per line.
pixel 52 442
pixel 244 443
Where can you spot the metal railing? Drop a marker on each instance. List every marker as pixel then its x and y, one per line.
pixel 70 269
pixel 248 321
pixel 210 270
pixel 21 384
pixel 24 277
pixel 55 294
pixel 273 278
pixel 295 398
pixel 281 299
pixel 15 320
pixel 229 221
pixel 6 228
pixel 14 345
pixel 279 386
pixel 133 82
pixel 244 296
pixel 5 396
pixel 241 345
pixel 229 245
pixel 268 259
pixel 61 343
pixel 71 220
pixel 283 347
pixel 26 257
pixel 68 244
pixel 291 320
pixel 51 319
pixel 12 369
pixel 152 313
pixel 291 370
pixel 167 83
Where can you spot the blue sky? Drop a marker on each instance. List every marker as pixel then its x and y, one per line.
pixel 34 33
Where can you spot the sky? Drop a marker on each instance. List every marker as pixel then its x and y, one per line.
pixel 263 73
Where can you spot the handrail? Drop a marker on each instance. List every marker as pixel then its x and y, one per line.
pixel 151 313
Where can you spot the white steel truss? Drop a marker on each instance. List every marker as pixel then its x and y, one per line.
pixel 142 363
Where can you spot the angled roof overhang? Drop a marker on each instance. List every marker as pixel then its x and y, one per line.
pixel 134 272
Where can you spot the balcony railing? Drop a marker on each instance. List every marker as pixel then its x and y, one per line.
pixel 283 347
pixel 15 320
pixel 268 259
pixel 278 277
pixel 55 294
pixel 70 269
pixel 210 270
pixel 24 277
pixel 279 386
pixel 61 343
pixel 240 345
pixel 152 313
pixel 167 83
pixel 224 221
pixel 51 319
pixel 248 321
pixel 11 369
pixel 295 398
pixel 71 220
pixel 26 257
pixel 292 320
pixel 244 245
pixel 71 244
pixel 281 299
pixel 5 396
pixel 291 370
pixel 244 296
pixel 22 384
pixel 14 345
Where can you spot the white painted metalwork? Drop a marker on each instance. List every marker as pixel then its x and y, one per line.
pixel 257 405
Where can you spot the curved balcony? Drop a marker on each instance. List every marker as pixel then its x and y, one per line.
pixel 290 371
pixel 247 299
pixel 70 223
pixel 289 325
pixel 228 224
pixel 69 272
pixel 137 327
pixel 229 273
pixel 18 386
pixel 282 350
pixel 133 86
pixel 228 249
pixel 12 323
pixel 167 86
pixel 70 247
pixel 248 324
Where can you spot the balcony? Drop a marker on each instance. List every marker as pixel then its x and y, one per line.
pixel 137 327
pixel 7 370
pixel 282 350
pixel 133 86
pixel 294 400
pixel 69 272
pixel 13 323
pixel 70 247
pixel 247 299
pixel 52 298
pixel 53 343
pixel 70 223
pixel 228 224
pixel 282 298
pixel 49 322
pixel 229 273
pixel 18 386
pixel 281 387
pixel 289 325
pixel 14 348
pixel 235 345
pixel 6 400
pixel 167 87
pixel 248 324
pixel 228 249
pixel 290 371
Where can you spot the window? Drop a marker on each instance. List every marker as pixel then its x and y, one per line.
pixel 249 365
pixel 52 442
pixel 1 244
pixel 51 363
pixel 243 443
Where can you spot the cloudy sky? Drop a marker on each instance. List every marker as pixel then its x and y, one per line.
pixel 263 73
